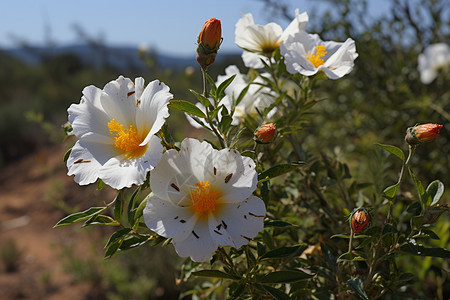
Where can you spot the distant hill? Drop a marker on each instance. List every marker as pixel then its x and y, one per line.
pixel 97 56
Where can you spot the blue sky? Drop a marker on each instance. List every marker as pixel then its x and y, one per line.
pixel 169 26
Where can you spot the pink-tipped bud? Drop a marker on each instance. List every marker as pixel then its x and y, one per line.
pixel 209 41
pixel 359 220
pixel 422 133
pixel 265 133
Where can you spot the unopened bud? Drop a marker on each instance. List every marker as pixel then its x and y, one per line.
pixel 422 133
pixel 265 133
pixel 359 220
pixel 209 41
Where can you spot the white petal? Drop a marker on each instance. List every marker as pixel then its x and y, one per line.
pixel 119 172
pixel 299 23
pixel 118 99
pixel 88 116
pixel 152 110
pixel 231 174
pixel 167 219
pixel 253 60
pixel 198 245
pixel 83 165
pixel 241 221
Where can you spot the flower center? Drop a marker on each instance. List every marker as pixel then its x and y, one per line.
pixel 204 198
pixel 267 47
pixel 127 140
pixel 316 59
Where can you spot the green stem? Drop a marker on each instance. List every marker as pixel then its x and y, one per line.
pixel 350 242
pixel 208 116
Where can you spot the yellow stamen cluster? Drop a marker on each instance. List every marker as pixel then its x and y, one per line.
pixel 204 198
pixel 316 59
pixel 127 140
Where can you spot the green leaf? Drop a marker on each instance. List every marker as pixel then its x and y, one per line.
pixel 356 286
pixel 285 276
pixel 434 192
pixel 67 154
pixel 186 107
pixel 117 236
pixel 133 242
pixel 276 293
pixel 277 223
pixel 420 190
pixel 391 191
pixel 100 184
pixel 284 252
pixel 394 150
pixel 118 206
pixel 347 236
pixel 203 100
pixel 215 274
pixel 80 216
pixel 425 251
pixel 101 220
pixel 130 208
pixel 220 93
pixel 279 170
pixel 241 95
pixel 111 250
pixel 389 229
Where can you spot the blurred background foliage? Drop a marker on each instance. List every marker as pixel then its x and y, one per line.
pixel 375 103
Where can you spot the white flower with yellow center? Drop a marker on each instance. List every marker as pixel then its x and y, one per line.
pixel 436 57
pixel 116 130
pixel 202 198
pixel 307 54
pixel 258 39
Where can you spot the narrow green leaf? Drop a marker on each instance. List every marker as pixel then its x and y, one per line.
pixel 203 100
pixel 420 189
pixel 347 236
pixel 348 256
pixel 241 95
pixel 212 84
pixel 186 107
pixel 130 208
pixel 277 223
pixel 100 184
pixel 425 251
pixel 357 287
pixel 391 191
pixel 278 170
pixel 220 93
pixel 112 249
pixel 389 229
pixel 285 276
pixel 215 274
pixel 284 252
pixel 101 220
pixel 133 242
pixel 117 236
pixel 80 216
pixel 276 293
pixel 434 192
pixel 394 150
pixel 67 154
pixel 118 206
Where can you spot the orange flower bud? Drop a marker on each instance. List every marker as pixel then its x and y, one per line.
pixel 209 41
pixel 422 133
pixel 265 133
pixel 359 220
pixel 211 34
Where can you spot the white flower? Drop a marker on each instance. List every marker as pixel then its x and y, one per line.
pixel 434 58
pixel 256 39
pixel 257 97
pixel 307 54
pixel 116 130
pixel 202 198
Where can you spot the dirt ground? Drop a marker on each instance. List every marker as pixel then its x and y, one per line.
pixel 35 193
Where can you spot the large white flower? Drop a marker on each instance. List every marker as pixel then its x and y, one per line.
pixel 116 130
pixel 256 39
pixel 434 58
pixel 307 54
pixel 202 198
pixel 256 98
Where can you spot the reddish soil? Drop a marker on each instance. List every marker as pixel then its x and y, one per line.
pixel 35 193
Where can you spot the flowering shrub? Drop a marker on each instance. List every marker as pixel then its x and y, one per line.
pixel 247 207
